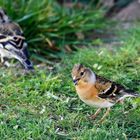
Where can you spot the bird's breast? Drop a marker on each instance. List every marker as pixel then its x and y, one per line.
pixel 89 95
pixel 86 91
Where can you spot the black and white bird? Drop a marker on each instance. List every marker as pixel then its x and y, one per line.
pixel 12 42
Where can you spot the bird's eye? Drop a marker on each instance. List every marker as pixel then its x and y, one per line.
pixel 82 73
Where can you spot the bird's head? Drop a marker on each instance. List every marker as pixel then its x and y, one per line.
pixel 83 74
pixel 3 16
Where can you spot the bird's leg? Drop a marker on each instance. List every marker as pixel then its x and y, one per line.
pixel 96 113
pixel 122 102
pixel 106 113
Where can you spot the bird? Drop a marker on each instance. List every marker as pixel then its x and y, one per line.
pixel 12 42
pixel 98 91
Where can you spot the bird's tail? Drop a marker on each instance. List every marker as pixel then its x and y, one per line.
pixel 132 93
pixel 129 93
pixel 23 57
pixel 27 64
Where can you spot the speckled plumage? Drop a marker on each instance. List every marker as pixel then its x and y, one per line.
pixel 12 42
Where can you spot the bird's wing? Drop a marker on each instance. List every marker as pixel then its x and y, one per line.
pixel 11 29
pixel 12 39
pixel 107 88
pixel 11 33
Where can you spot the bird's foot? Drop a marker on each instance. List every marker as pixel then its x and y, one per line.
pixel 95 114
pixel 104 116
pixel 101 121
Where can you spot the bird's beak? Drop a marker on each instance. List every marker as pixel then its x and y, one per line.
pixel 75 81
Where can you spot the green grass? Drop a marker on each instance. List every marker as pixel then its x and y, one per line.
pixel 45 105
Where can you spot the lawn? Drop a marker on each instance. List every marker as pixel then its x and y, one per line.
pixel 45 106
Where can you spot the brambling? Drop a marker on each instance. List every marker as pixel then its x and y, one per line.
pixel 12 42
pixel 97 91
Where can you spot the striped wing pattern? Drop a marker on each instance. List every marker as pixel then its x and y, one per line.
pixel 11 33
pixel 12 40
pixel 15 41
pixel 108 89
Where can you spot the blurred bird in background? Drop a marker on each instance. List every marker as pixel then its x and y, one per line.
pixel 12 42
pixel 97 91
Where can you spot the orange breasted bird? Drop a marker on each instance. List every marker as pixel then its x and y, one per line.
pixel 97 91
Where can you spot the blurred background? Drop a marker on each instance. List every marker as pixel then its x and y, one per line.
pixel 54 28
